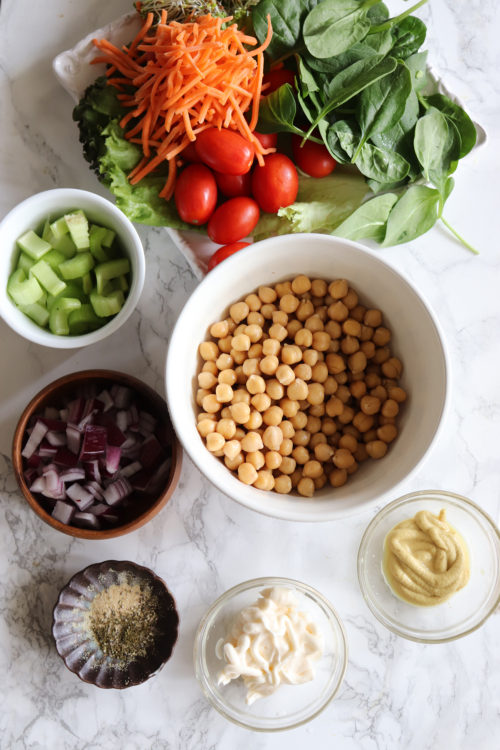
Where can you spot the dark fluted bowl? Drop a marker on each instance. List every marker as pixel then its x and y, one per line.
pixel 75 643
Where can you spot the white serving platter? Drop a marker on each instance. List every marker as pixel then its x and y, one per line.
pixel 75 73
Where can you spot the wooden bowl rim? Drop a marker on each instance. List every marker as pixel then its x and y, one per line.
pixel 17 461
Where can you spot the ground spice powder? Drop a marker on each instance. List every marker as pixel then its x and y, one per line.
pixel 123 620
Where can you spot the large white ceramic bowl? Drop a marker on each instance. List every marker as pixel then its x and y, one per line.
pixel 417 341
pixel 30 214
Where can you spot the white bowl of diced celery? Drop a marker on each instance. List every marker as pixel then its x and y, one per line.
pixel 71 268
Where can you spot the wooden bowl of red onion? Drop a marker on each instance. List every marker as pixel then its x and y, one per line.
pixel 95 454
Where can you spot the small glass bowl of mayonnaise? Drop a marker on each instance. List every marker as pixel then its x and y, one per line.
pixel 288 635
pixel 429 566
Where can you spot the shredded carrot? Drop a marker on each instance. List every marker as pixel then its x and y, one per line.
pixel 177 79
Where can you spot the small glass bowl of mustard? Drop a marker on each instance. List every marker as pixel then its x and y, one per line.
pixel 477 542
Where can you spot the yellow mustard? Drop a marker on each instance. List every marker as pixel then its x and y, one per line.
pixel 425 559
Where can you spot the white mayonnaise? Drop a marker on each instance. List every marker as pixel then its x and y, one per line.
pixel 270 643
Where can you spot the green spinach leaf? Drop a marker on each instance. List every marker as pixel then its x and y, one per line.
pixel 409 35
pixel 333 26
pixel 417 65
pixel 277 111
pixel 414 214
pixel 460 119
pixel 352 81
pixel 435 146
pixel 368 222
pixel 287 19
pixel 383 103
pixel 378 164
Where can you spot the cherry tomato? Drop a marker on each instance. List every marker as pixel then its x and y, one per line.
pixel 276 184
pixel 225 151
pixel 312 158
pixel 189 154
pixel 277 78
pixel 233 220
pixel 232 185
pixel 195 194
pixel 268 140
pixel 224 252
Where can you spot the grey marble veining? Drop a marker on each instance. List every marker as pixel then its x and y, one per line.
pixel 396 694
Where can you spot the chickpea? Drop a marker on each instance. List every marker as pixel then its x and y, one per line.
pixel 240 343
pixel 343 392
pixel 323 452
pixel 299 421
pixel 387 433
pixel 321 341
pixel 328 426
pixel 286 447
pixel 338 311
pixel 225 413
pixel 319 373
pixel 319 287
pixel 301 437
pixel 247 473
pixel 273 416
pixel 300 454
pixel 241 395
pixel 397 394
pixel 256 384
pixel 251 366
pixel 267 311
pixel 392 368
pixel 357 362
pixel 240 412
pixel 232 448
pixel 283 484
pixel 239 311
pixel 306 487
pixel 289 303
pixel 301 284
pixel 303 337
pixel 338 288
pixel 381 355
pixel 373 318
pixel 349 345
pixel 215 441
pixel 370 435
pixel 223 393
pixel 225 344
pixel 277 331
pixel 335 363
pixel 274 459
pixel 291 354
pixel 298 390
pixel 280 318
pixel 208 350
pixel 296 477
pixel 390 408
pixel 338 477
pixel 358 313
pixel 203 415
pixel 264 481
pixel 330 385
pixel 333 329
pixel 261 401
pixel 347 415
pixel 219 330
pixel 316 439
pixel 256 458
pixel 350 300
pixel 381 336
pixel 313 424
pixel 266 294
pixel 271 346
pixel 363 422
pixel 348 442
pixel 227 377
pixel 372 380
pixel 205 427
pixel 254 420
pixel 351 327
pixel 358 389
pixel 254 332
pixel 360 454
pixel 334 407
pixel 206 380
pixel 272 438
pixel 316 393
pixel 287 429
pixel 210 403
pixel 234 463
pixel 369 404
pixel 269 364
pixel 314 324
pixel 303 371
pixel 376 448
pixel 310 357
pixel 305 310
pixel 255 318
pixel 292 327
pixel 312 468
pixel 290 407
pixel 368 349
pixel 343 458
pixel 227 428
pixel 288 465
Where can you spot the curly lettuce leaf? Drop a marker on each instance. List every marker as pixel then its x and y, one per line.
pixel 112 157
pixel 321 205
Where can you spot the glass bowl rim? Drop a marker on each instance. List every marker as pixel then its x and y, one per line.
pixel 454 499
pixel 267 581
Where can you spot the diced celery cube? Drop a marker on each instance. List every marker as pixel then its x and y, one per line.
pixel 97 235
pixel 33 245
pixel 47 278
pixel 109 238
pixel 77 267
pixel 22 290
pixel 58 321
pixel 25 262
pixel 78 226
pixel 87 283
pixel 104 307
pixel 59 227
pixel 83 320
pixel 110 270
pixel 54 258
pixel 37 312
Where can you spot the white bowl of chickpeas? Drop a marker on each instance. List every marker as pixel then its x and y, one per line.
pixel 306 378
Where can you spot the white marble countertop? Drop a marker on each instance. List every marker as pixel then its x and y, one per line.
pixel 396 694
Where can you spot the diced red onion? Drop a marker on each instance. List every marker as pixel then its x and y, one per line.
pixel 94 442
pixel 95 489
pixel 122 420
pixel 113 456
pixel 63 512
pixel 92 469
pixel 55 425
pixel 52 481
pixel 34 439
pixel 98 509
pixel 130 469
pixel 73 475
pixel 63 415
pixel 117 491
pixel 80 496
pixel 64 457
pixel 38 485
pixel 88 520
pixel 75 410
pixel 56 438
pixel 105 398
pixel 151 452
pixel 133 418
pixel 122 396
pixel 73 437
pixel 46 450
